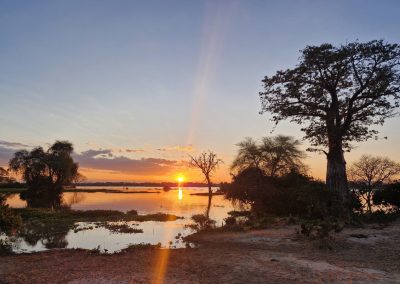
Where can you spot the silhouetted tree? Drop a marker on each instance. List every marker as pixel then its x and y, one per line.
pixel 336 94
pixel 50 169
pixel 275 156
pixel 207 162
pixel 45 173
pixel 369 174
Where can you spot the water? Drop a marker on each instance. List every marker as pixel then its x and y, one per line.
pixel 180 202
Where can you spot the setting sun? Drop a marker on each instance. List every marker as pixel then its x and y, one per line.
pixel 180 178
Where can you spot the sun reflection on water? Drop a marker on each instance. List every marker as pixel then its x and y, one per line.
pixel 180 193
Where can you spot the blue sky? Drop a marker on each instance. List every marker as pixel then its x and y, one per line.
pixel 181 76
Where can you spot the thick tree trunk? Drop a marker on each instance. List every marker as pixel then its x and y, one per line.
pixel 336 177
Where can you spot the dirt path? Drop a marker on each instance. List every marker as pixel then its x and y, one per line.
pixel 266 256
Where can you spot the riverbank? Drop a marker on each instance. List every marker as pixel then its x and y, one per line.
pixel 276 255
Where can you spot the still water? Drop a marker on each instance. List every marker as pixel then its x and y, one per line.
pixel 180 201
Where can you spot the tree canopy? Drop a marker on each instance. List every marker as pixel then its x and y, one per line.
pixel 53 168
pixel 275 156
pixel 345 88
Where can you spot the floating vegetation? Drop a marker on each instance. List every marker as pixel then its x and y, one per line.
pixel 65 215
pixel 121 228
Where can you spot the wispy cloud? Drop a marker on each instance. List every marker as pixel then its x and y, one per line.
pixel 135 150
pixel 187 148
pixel 13 144
pixel 7 150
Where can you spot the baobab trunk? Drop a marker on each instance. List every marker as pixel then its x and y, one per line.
pixel 336 177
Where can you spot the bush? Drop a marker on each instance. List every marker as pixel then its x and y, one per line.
pixel 293 194
pixel 320 229
pixel 202 222
pixel 8 220
pixel 230 221
pixel 5 247
pixel 379 216
pixel 388 196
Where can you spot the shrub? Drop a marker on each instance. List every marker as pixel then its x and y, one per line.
pixel 5 247
pixel 292 194
pixel 320 229
pixel 8 220
pixel 388 196
pixel 230 221
pixel 202 222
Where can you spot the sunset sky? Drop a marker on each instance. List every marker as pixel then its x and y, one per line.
pixel 136 86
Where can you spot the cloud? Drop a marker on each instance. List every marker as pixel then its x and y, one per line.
pixel 134 150
pixel 7 150
pixel 187 148
pixel 5 155
pixel 105 160
pixel 97 153
pixel 13 144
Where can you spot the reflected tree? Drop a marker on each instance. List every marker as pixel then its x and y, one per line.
pixel 208 163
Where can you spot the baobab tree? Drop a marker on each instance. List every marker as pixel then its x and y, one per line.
pixel 336 93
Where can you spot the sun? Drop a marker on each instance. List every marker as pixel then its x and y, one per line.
pixel 180 178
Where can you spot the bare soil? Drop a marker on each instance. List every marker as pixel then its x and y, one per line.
pixel 276 255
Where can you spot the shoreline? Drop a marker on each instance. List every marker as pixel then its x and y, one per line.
pixel 275 255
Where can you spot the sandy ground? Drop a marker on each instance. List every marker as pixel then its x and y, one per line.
pixel 263 256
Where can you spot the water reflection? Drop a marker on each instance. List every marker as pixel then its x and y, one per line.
pixel 42 198
pixel 179 201
pixel 180 193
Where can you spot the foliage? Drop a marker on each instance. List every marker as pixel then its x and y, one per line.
pixel 4 176
pixel 292 194
pixel 388 196
pixel 66 215
pixel 5 247
pixel 320 229
pixel 336 94
pixel 122 228
pixel 9 221
pixel 351 86
pixel 49 169
pixel 276 156
pixel 202 222
pixel 142 246
pixel 369 174
pixel 51 227
pixel 379 216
